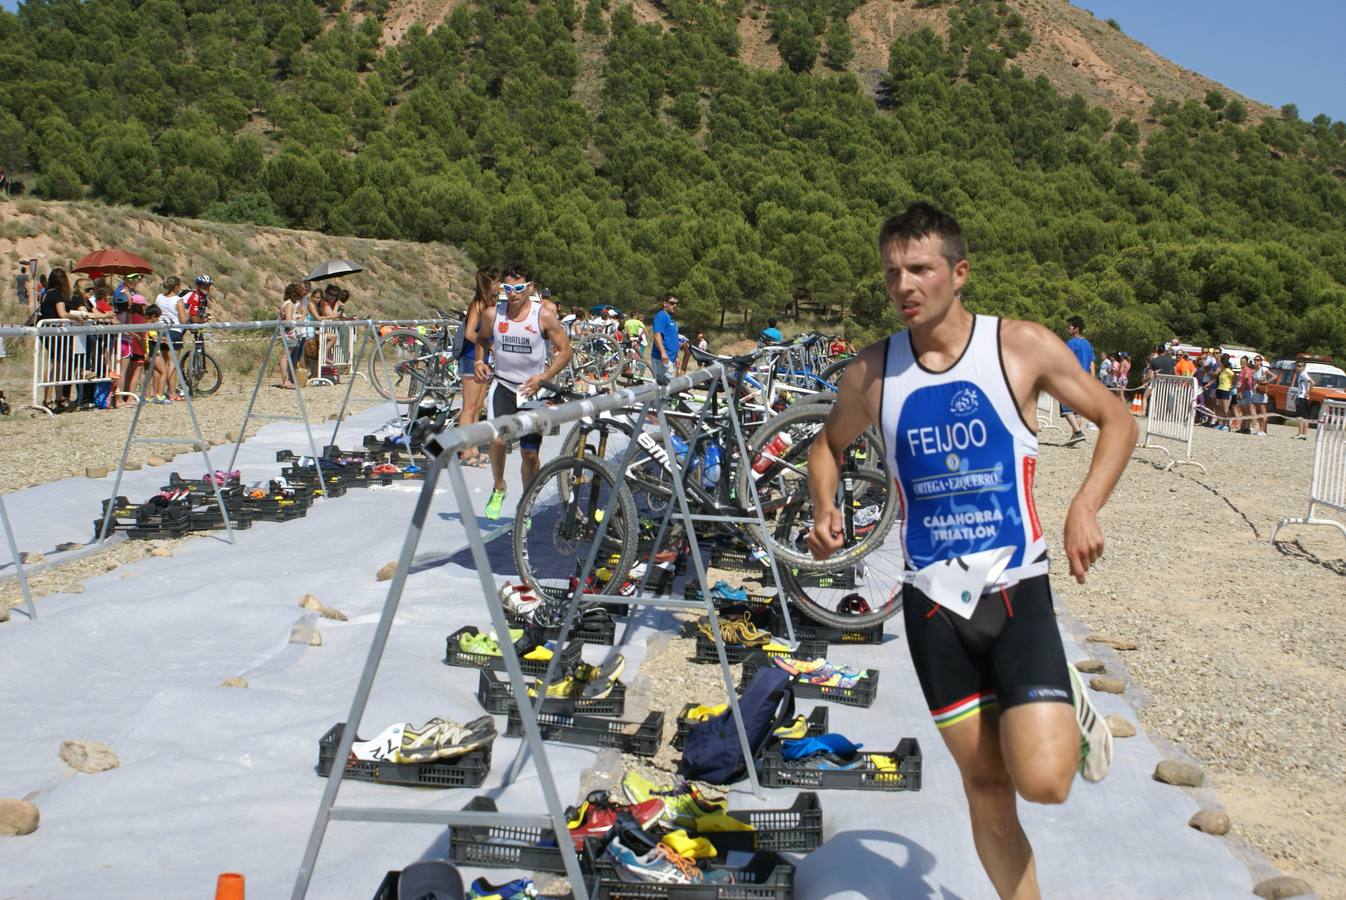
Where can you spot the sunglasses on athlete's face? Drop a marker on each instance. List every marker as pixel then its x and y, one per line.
pixel 670 303
pixel 514 288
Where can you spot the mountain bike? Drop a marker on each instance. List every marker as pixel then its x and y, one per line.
pixel 200 371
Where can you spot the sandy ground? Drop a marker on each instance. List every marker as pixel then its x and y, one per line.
pixel 1241 650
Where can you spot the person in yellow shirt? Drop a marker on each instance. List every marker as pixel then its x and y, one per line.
pixel 1224 390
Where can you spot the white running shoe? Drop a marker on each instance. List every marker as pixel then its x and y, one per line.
pixel 518 599
pixel 1095 735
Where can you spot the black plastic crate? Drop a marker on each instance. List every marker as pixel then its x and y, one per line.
pixel 735 560
pixel 121 507
pixel 862 695
pixel 758 604
pixel 211 520
pixel 138 532
pixel 807 629
pixel 271 509
pixel 496 696
pixel 455 655
pixel 766 876
pixel 503 846
pixel 776 772
pixel 736 653
pixel 842 579
pixel 817 724
pixel 637 738
pixel 597 628
pixel 469 770
pixel 202 485
pixel 798 829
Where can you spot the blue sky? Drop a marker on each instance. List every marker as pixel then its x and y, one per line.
pixel 1286 52
pixel 1278 53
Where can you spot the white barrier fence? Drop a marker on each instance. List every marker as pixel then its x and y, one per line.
pixel 1172 417
pixel 63 360
pixel 1049 413
pixel 68 356
pixel 1327 484
pixel 336 351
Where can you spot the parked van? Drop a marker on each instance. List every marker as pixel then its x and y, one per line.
pixel 1329 383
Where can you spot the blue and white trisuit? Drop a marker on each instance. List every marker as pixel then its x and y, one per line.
pixel 977 604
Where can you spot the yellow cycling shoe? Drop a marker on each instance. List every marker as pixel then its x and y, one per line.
pixel 702 713
pixel 721 821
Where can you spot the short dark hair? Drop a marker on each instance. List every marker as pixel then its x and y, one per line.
pixel 1077 322
pixel 516 270
pixel 667 297
pixel 921 220
pixel 770 323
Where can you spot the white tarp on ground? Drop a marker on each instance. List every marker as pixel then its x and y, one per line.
pixel 214 779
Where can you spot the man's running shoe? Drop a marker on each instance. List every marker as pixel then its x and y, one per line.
pixel 518 889
pixel 519 600
pixel 598 813
pixel 662 865
pixel 1095 735
pixel 683 804
pixel 723 590
pixel 495 504
pixel 436 740
pixel 1075 438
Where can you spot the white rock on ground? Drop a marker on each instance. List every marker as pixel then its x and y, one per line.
pixel 89 756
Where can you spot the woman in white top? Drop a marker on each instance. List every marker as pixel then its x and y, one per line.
pixel 293 308
pixel 170 314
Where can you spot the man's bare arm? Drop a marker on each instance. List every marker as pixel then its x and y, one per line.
pixel 1048 365
pixel 853 412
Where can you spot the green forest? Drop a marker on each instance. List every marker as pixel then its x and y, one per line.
pixel 621 160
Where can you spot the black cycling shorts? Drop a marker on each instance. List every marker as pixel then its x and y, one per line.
pixel 1008 653
pixel 503 401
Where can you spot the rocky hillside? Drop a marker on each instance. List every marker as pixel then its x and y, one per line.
pixel 250 264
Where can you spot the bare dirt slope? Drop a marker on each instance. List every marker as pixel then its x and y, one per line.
pixel 250 264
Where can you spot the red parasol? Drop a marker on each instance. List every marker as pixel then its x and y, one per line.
pixel 112 262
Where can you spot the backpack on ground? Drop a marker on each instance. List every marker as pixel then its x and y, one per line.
pixel 712 752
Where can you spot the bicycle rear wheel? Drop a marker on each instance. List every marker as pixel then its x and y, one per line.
pixel 557 521
pixel 201 372
pixel 401 365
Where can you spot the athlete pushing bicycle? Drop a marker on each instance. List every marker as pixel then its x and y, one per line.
pixel 517 330
pixel 953 396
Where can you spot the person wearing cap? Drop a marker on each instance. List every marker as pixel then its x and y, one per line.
pixel 128 286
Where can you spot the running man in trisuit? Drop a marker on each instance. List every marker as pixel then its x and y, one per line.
pixel 953 396
pixel 517 330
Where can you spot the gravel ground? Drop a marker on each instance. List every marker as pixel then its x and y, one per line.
pixel 1241 648
pixel 36 448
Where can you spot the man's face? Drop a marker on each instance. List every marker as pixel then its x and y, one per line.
pixel 671 304
pixel 1071 330
pixel 515 288
pixel 920 281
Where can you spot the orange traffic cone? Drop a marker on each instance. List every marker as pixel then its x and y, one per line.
pixel 1137 404
pixel 229 886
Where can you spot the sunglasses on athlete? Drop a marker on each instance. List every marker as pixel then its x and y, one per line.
pixel 513 288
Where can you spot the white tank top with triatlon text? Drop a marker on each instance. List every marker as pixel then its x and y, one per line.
pixel 519 347
pixel 962 456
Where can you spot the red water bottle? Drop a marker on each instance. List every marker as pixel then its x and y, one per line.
pixel 774 450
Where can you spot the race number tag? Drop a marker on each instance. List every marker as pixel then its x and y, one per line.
pixel 957 584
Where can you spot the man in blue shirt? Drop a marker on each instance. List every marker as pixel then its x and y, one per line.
pixel 1084 352
pixel 665 350
pixel 771 334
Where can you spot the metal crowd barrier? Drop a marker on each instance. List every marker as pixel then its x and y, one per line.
pixel 1049 414
pixel 1327 484
pixel 65 356
pixel 1172 417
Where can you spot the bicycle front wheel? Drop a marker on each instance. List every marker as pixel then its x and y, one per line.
pixel 865 493
pixel 201 372
pixel 558 519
